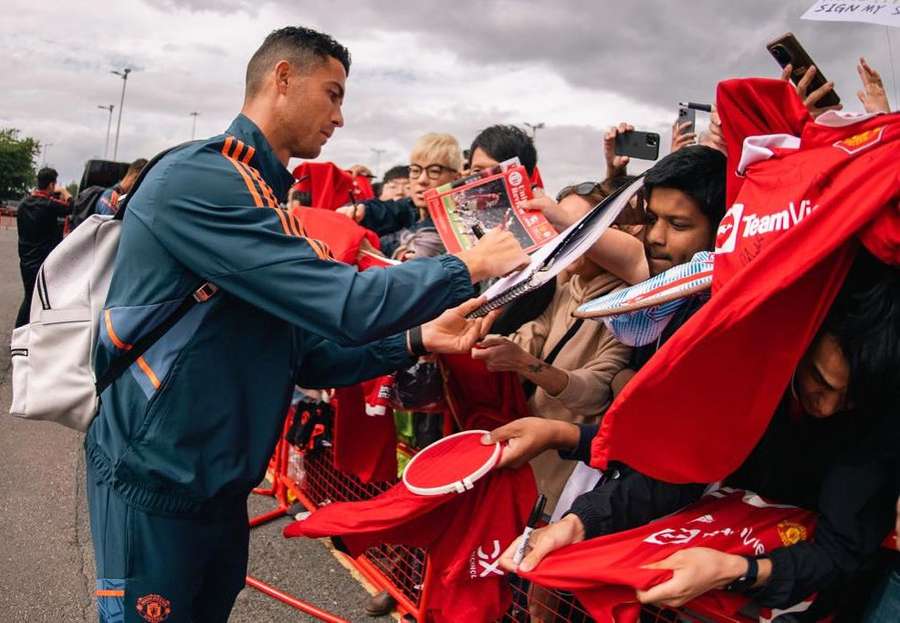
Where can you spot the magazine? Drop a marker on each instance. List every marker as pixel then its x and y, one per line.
pixel 465 209
pixel 550 260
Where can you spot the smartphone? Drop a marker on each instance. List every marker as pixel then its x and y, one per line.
pixel 687 115
pixel 636 144
pixel 787 50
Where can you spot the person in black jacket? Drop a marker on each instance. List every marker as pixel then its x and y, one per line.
pixel 39 230
pixel 830 447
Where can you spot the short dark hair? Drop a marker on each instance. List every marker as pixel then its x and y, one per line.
pixel 502 142
pixel 135 167
pixel 697 171
pixel 304 46
pixel 401 171
pixel 45 177
pixel 865 319
pixel 614 183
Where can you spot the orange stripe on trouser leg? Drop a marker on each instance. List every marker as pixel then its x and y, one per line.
pixel 109 593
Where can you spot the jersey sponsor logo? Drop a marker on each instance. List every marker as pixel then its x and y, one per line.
pixel 858 142
pixel 703 519
pixel 726 236
pixel 752 542
pixel 154 608
pixel 791 532
pixel 375 410
pixel 483 564
pixel 672 536
pixel 736 224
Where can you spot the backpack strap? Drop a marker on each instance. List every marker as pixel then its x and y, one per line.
pixel 120 214
pixel 528 386
pixel 202 294
pixel 118 366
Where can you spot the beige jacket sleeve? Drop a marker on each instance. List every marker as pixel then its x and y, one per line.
pixel 532 335
pixel 587 393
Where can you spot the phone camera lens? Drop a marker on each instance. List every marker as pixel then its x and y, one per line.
pixel 651 140
pixel 781 54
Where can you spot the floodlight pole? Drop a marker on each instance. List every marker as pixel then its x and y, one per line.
pixel 109 109
pixel 194 124
pixel 378 153
pixel 44 149
pixel 124 75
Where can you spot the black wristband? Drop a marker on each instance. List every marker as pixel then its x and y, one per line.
pixel 416 345
pixel 747 580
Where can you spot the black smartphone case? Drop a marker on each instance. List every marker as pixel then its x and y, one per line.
pixel 640 145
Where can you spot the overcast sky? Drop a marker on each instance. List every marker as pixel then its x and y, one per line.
pixel 576 66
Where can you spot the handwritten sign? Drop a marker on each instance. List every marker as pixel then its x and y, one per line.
pixel 886 13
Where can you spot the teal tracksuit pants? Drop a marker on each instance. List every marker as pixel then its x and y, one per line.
pixel 153 568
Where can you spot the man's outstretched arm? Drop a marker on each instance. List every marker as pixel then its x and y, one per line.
pixel 261 255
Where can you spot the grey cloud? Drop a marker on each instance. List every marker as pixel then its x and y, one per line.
pixel 653 53
pixel 657 52
pixel 216 6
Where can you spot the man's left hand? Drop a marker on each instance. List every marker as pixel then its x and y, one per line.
pixel 696 571
pixel 452 332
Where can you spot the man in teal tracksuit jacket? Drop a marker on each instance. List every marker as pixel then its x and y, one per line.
pixel 187 431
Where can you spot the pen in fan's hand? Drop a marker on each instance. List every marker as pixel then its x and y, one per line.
pixel 536 514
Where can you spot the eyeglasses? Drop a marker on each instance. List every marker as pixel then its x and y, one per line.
pixel 433 171
pixel 582 190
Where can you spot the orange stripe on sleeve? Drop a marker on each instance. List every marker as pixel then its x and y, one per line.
pixel 154 380
pixel 264 188
pixel 229 140
pixel 238 148
pixel 248 174
pixel 257 201
pixel 248 155
pixel 112 333
pixel 293 216
pixel 284 223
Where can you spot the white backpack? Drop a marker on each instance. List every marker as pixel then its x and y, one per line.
pixel 53 356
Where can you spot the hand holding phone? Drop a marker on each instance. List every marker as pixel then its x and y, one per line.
pixel 684 129
pixel 816 92
pixel 615 164
pixel 687 119
pixel 637 144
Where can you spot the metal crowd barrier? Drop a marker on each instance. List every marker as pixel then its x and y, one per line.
pixel 404 572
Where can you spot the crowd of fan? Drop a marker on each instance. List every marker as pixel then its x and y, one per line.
pixel 568 396
pixel 686 191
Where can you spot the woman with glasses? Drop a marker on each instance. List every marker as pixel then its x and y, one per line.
pixel 436 159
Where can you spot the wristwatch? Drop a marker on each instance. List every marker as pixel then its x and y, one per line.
pixel 747 580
